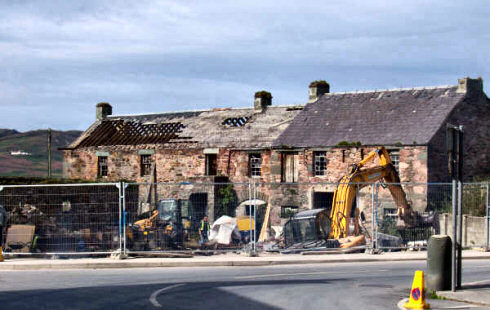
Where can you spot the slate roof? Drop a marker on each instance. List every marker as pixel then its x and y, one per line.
pixel 406 116
pixel 243 128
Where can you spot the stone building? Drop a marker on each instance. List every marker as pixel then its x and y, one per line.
pixel 199 147
pixel 339 129
pixel 297 153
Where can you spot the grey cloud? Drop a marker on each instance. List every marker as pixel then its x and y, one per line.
pixel 59 58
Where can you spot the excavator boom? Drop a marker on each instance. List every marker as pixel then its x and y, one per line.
pixel 358 178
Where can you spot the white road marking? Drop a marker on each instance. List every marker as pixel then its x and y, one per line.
pixel 153 297
pixel 299 274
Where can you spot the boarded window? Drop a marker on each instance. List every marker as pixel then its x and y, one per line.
pixel 101 166
pixel 320 163
pixel 289 167
pixel 145 164
pixel 211 164
pixel 254 165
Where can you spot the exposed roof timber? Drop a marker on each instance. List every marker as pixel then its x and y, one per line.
pixel 121 132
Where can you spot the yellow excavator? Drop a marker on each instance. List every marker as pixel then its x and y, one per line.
pixel 358 178
pixel 340 225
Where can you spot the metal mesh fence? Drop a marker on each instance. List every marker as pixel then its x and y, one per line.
pixel 433 202
pixel 61 218
pixel 167 217
pixel 170 216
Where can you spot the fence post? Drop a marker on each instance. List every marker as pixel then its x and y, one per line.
pixel 250 216
pixel 376 203
pixel 120 187
pixel 124 186
pixel 255 218
pixel 373 221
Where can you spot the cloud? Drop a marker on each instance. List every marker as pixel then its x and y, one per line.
pixel 59 58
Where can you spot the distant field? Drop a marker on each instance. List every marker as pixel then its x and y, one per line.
pixel 34 142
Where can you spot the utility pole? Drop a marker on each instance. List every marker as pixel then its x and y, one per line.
pixel 454 135
pixel 49 153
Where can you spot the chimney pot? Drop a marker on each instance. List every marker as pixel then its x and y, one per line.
pixel 102 110
pixel 262 99
pixel 318 88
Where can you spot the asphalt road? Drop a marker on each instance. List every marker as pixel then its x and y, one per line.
pixel 320 286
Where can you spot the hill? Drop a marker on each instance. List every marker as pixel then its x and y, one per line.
pixel 35 144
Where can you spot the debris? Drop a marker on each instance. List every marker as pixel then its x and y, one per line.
pixel 20 238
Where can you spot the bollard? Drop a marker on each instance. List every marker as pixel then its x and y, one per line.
pixel 439 269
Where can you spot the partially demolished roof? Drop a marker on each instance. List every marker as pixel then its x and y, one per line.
pixel 234 128
pixel 406 116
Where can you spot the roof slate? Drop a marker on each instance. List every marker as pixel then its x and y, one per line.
pixel 408 116
pixel 206 128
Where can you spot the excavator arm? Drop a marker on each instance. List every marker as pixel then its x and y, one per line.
pixel 358 178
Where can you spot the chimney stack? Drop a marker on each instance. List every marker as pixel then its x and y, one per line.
pixel 318 88
pixel 262 100
pixel 470 86
pixel 102 110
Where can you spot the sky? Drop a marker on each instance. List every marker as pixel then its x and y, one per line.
pixel 59 58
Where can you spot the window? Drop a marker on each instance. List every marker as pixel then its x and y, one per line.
pixel 395 159
pixel 211 164
pixel 250 210
pixel 254 165
pixel 288 211
pixel 289 167
pixel 145 164
pixel 389 212
pixel 101 166
pixel 320 163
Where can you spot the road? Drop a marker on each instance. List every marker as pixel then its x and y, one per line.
pixel 320 286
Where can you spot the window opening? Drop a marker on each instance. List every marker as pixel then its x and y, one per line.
pixel 255 164
pixel 320 163
pixel 145 165
pixel 288 211
pixel 102 166
pixel 395 159
pixel 289 168
pixel 236 121
pixel 211 164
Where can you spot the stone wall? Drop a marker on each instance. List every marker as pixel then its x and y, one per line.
pixel 473 114
pixel 188 165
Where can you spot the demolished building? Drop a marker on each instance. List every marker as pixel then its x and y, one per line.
pixel 289 149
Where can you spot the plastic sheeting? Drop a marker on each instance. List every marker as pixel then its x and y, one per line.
pixel 223 229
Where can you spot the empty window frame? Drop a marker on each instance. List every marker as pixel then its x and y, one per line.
pixel 389 212
pixel 211 164
pixel 320 163
pixel 395 159
pixel 145 164
pixel 101 166
pixel 254 165
pixel 289 165
pixel 288 211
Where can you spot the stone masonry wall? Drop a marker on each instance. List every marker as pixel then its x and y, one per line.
pixel 188 165
pixel 473 113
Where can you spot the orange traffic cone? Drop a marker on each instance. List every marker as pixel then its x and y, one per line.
pixel 417 294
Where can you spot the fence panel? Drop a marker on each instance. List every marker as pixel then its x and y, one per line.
pixel 56 219
pixel 430 201
pixel 181 207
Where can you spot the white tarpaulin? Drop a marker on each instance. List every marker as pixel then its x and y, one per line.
pixel 223 229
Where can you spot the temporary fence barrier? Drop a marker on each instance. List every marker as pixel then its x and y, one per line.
pixel 100 218
pixel 62 219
